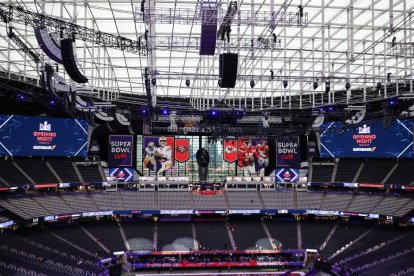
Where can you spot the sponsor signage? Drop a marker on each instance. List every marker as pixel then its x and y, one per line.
pixel 120 150
pixel 288 152
pixel 367 140
pixel 42 136
pixel 285 175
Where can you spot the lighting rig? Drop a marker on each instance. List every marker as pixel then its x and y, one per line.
pixel 10 13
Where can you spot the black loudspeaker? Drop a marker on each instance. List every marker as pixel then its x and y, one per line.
pixel 228 70
pixel 69 62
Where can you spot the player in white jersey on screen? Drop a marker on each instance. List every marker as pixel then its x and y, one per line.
pixel 150 151
pixel 164 155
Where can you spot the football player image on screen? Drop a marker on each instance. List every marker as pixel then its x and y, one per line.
pixel 164 155
pixel 262 155
pixel 149 159
pixel 246 155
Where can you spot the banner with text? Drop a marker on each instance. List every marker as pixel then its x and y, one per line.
pixel 288 152
pixel 121 148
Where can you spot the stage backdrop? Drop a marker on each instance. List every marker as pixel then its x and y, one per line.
pixel 42 136
pixel 184 149
pixel 367 140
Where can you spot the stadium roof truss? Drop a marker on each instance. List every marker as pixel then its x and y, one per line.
pixel 362 42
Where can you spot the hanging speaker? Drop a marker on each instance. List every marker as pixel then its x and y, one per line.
pixel 69 62
pixel 228 70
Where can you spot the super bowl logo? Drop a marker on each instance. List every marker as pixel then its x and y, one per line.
pixel 364 129
pixel 45 126
pixel 287 176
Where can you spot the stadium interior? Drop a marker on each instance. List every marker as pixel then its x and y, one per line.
pixel 206 137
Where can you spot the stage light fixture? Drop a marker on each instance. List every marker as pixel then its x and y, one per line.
pixel 389 77
pixel 142 5
pixel 392 102
pixel 285 83
pixel 347 85
pixel 52 102
pixel 300 7
pixel 213 112
pixel 274 37
pixel 154 81
pixel 272 74
pixel 252 83
pixel 187 82
pixel 315 85
pixel 327 86
pixel 21 97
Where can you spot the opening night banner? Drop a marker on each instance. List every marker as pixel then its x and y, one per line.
pixel 367 140
pixel 42 136
pixel 120 150
pixel 288 152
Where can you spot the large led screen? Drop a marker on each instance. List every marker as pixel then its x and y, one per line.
pixel 367 140
pixel 42 136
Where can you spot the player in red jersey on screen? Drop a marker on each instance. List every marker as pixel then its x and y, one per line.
pixel 262 155
pixel 246 155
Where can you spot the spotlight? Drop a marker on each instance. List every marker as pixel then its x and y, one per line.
pixel 21 97
pixel 272 74
pixel 300 10
pixel 389 77
pixel 187 82
pixel 331 108
pixel 213 112
pixel 315 85
pixel 285 83
pixel 154 81
pixel 394 41
pixel 252 83
pixel 392 102
pixel 327 86
pixel 142 5
pixel 165 111
pixel 347 85
pixel 143 111
pixel 52 102
pixel 274 37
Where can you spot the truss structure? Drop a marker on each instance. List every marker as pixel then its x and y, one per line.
pixel 244 17
pixel 360 42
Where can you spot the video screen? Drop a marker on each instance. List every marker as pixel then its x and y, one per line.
pixel 367 140
pixel 42 136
